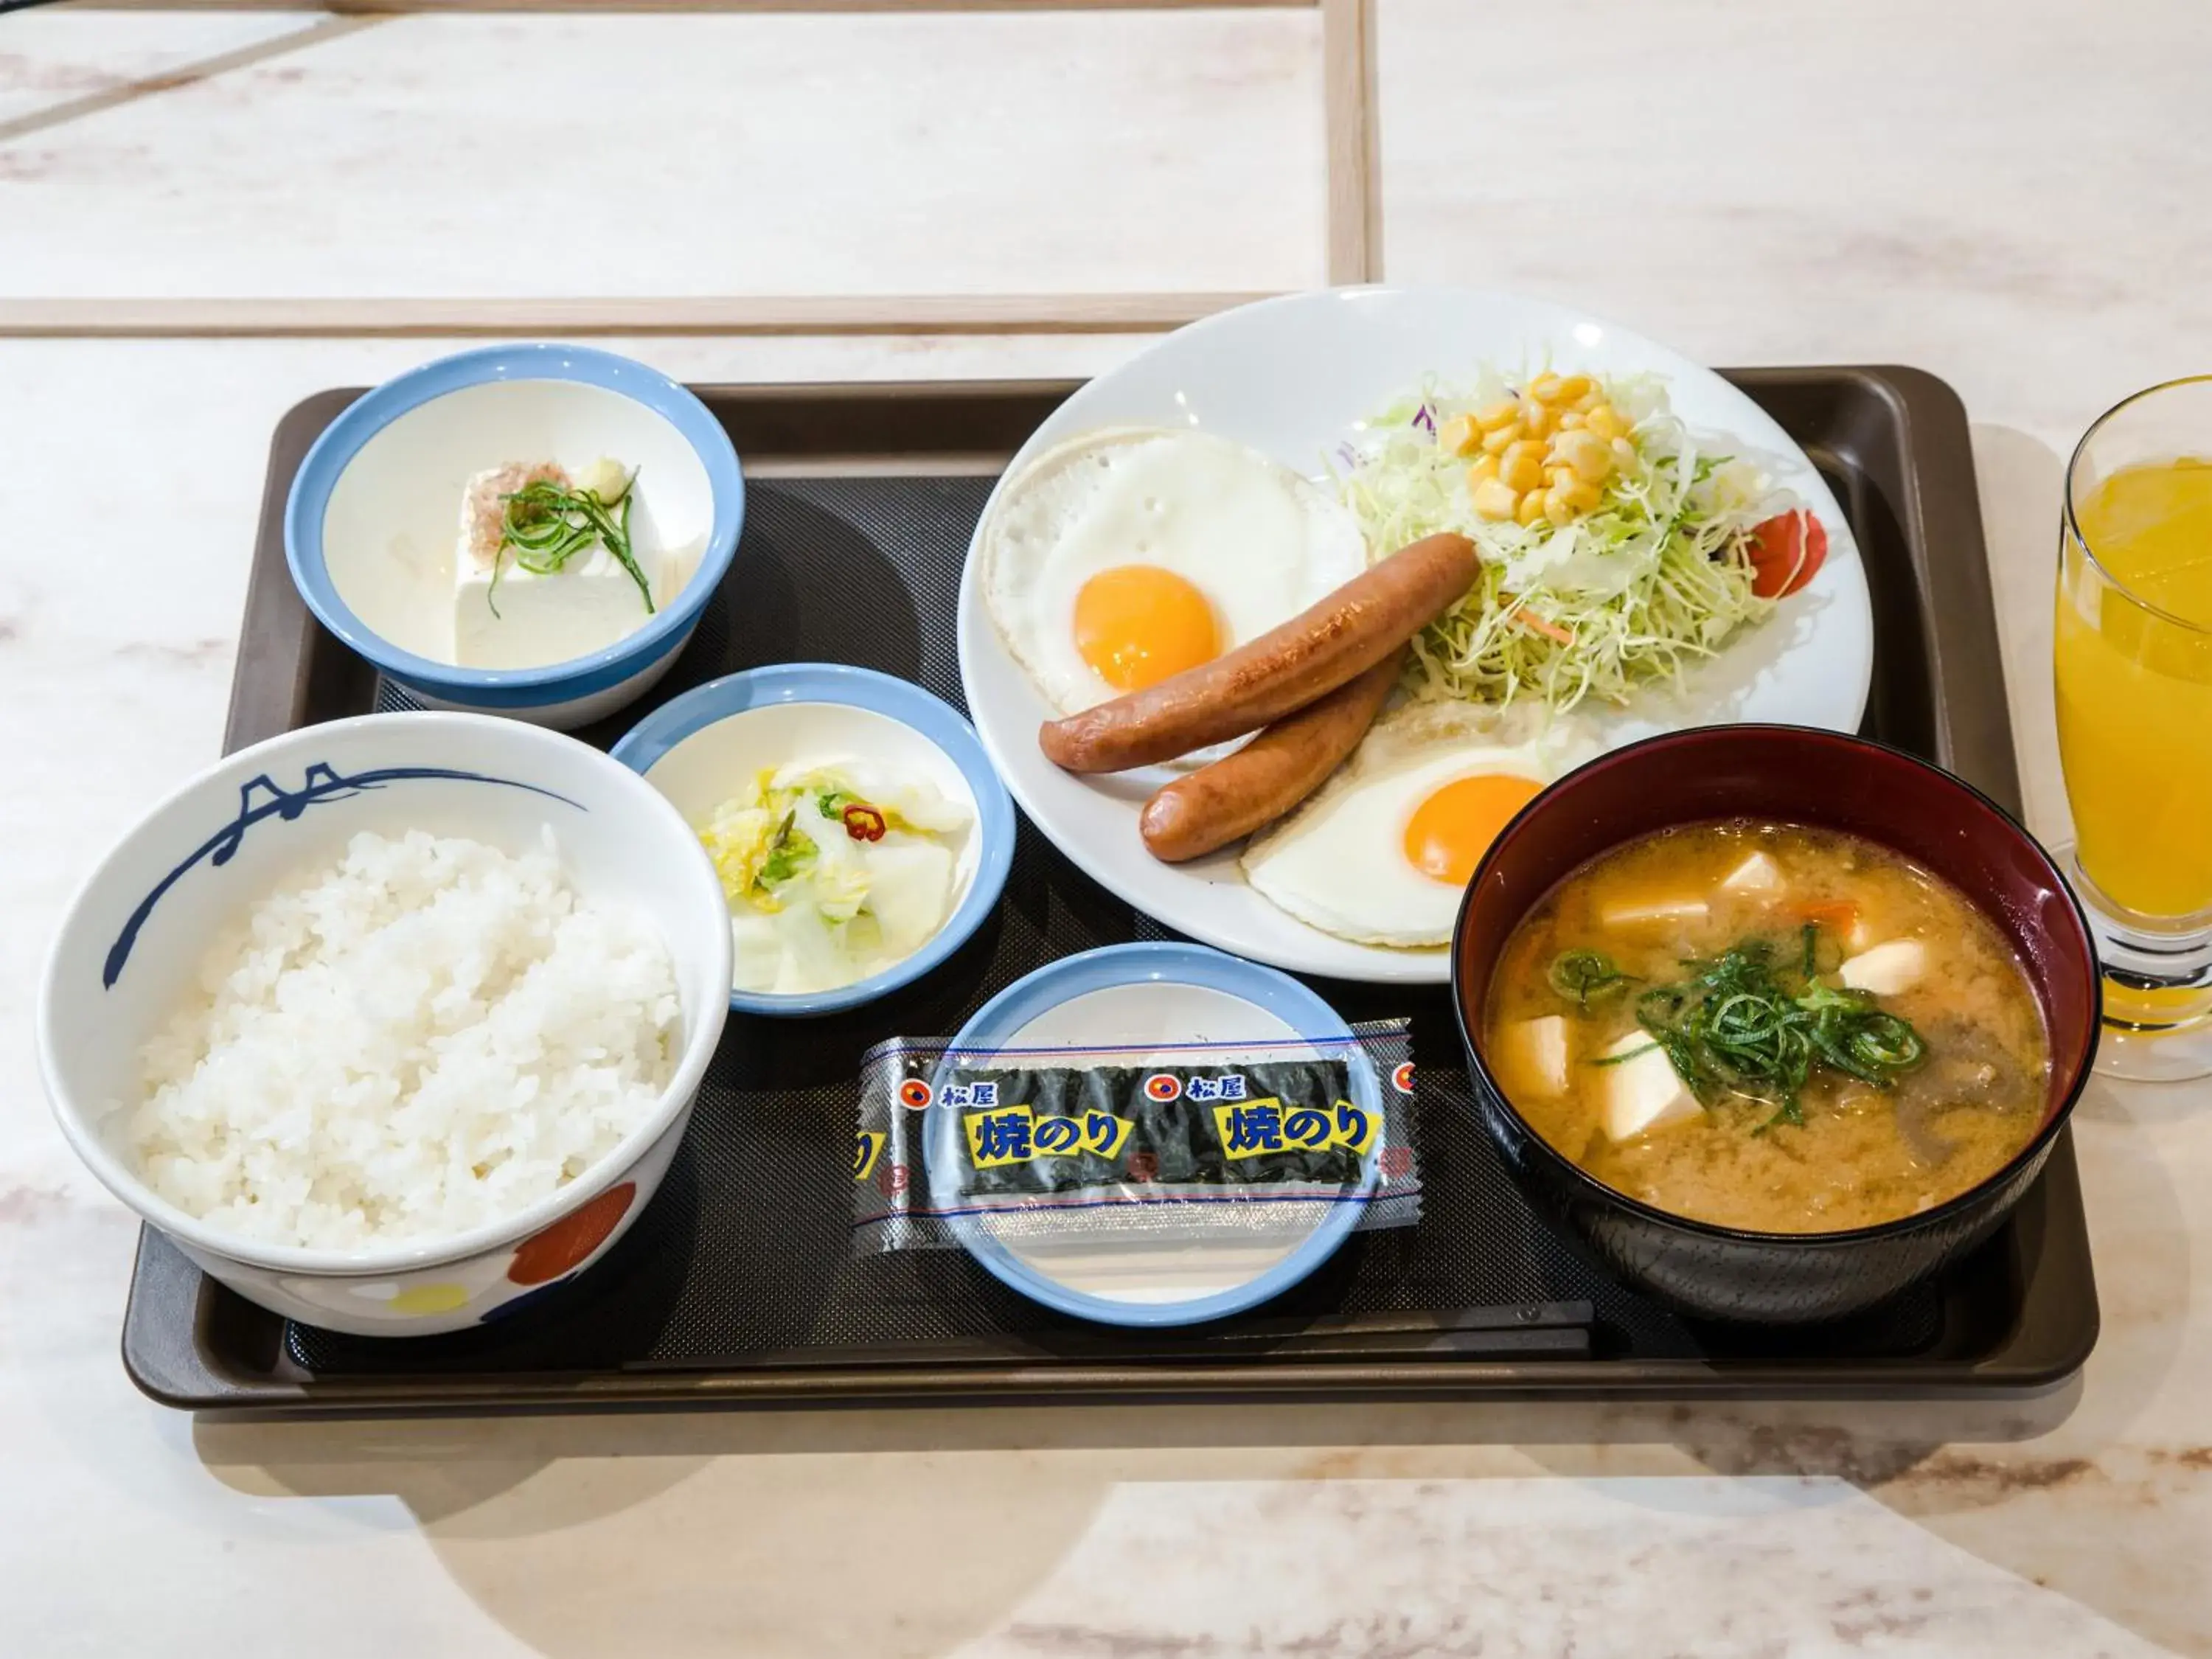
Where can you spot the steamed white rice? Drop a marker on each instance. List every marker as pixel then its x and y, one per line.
pixel 429 1036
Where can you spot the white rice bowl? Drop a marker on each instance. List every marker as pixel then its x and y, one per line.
pixel 428 1038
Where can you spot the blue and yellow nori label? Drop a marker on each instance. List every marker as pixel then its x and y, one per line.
pixel 868 1147
pixel 1016 1134
pixel 1056 1129
pixel 1255 1126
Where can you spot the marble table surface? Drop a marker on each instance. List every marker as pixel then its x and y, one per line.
pixel 2009 196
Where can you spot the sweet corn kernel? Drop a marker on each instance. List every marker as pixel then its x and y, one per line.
pixel 1589 400
pixel 1580 497
pixel 1459 435
pixel 1556 506
pixel 1498 414
pixel 1494 499
pixel 1531 508
pixel 1523 469
pixel 1558 478
pixel 1545 388
pixel 1605 422
pixel 1586 452
pixel 1494 441
pixel 1569 420
pixel 1485 467
pixel 1572 388
pixel 1534 415
pixel 1624 452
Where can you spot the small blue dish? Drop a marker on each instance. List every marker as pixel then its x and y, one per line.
pixel 696 750
pixel 1021 1004
pixel 376 504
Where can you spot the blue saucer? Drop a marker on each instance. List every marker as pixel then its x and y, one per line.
pixel 1015 1007
pixel 931 718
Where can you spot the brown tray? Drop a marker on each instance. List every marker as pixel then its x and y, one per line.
pixel 860 500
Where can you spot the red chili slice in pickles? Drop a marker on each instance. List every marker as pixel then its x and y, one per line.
pixel 863 821
pixel 1786 551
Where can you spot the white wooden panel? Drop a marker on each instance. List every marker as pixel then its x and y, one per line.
pixel 2011 195
pixel 575 155
pixel 52 57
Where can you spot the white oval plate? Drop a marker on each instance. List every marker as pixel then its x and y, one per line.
pixel 1292 377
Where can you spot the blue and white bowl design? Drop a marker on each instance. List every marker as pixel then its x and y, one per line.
pixel 372 519
pixel 132 940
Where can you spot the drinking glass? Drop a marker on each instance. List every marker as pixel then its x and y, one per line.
pixel 2134 666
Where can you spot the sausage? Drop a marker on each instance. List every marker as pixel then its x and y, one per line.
pixel 1285 669
pixel 1269 776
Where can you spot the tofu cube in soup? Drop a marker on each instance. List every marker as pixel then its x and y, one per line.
pixel 1651 910
pixel 1757 877
pixel 1888 970
pixel 1534 1054
pixel 1643 1090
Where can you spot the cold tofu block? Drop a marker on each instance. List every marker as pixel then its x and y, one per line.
pixel 1535 1053
pixel 541 620
pixel 1892 967
pixel 1645 1093
pixel 1646 909
pixel 531 620
pixel 1757 877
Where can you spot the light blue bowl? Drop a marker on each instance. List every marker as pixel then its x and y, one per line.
pixel 998 1020
pixel 418 438
pixel 695 749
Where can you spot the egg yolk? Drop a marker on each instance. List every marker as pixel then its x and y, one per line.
pixel 1136 624
pixel 1450 831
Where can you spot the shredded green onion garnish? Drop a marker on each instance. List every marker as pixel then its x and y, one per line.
pixel 1585 977
pixel 548 524
pixel 1734 1028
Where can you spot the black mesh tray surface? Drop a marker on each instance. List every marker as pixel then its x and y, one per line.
pixel 736 1283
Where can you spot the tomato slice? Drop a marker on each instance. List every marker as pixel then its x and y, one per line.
pixel 1786 551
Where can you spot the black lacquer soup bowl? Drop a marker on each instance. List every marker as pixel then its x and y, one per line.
pixel 1782 774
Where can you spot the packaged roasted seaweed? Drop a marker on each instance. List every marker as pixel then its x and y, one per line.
pixel 1172 1145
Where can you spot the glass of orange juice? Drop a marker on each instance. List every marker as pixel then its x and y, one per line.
pixel 2134 661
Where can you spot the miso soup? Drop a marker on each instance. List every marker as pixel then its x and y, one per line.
pixel 1770 1027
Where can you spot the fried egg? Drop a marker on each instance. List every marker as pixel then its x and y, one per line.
pixel 1127 555
pixel 1380 854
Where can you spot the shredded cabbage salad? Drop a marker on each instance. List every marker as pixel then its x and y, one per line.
pixel 1649 582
